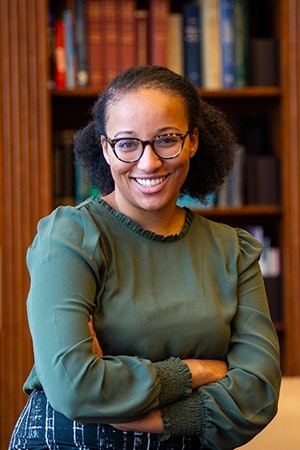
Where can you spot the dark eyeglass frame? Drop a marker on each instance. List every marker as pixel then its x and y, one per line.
pixel 151 142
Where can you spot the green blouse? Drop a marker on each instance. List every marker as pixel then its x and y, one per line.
pixel 155 300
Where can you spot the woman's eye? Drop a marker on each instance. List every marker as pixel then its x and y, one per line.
pixel 167 140
pixel 127 144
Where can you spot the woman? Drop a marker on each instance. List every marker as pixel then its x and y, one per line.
pixel 182 352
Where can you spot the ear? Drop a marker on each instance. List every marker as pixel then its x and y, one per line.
pixel 104 146
pixel 194 141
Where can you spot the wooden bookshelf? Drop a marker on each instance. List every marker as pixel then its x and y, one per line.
pixel 30 111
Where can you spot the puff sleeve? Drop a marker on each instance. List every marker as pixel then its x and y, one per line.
pixel 230 412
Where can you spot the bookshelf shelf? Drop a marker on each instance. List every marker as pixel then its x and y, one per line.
pixel 240 93
pixel 84 92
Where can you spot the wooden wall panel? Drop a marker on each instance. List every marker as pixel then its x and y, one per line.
pixel 291 184
pixel 25 185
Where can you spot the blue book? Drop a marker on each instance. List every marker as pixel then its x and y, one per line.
pixel 70 50
pixel 191 43
pixel 227 43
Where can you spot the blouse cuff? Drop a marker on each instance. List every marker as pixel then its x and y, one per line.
pixel 175 380
pixel 184 418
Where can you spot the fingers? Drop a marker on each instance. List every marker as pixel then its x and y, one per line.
pixel 95 343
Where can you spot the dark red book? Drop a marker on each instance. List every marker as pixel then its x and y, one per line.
pixel 141 26
pixel 126 34
pixel 94 19
pixel 159 11
pixel 59 54
pixel 110 39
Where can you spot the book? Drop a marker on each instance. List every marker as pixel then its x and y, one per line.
pixel 126 36
pixel 210 44
pixel 59 54
pixel 158 32
pixel 235 185
pixel 68 19
pixel 141 25
pixel 273 286
pixel 80 33
pixel 232 191
pixel 175 43
pixel 264 63
pixel 270 264
pixel 263 175
pixel 241 48
pixel 63 165
pixel 110 40
pixel 191 43
pixel 227 43
pixel 94 19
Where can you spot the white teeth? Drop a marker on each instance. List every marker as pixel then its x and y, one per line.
pixel 150 183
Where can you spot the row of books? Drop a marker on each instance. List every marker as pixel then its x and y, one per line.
pixel 206 40
pixel 70 183
pixel 93 40
pixel 253 180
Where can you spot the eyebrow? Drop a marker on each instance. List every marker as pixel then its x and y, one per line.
pixel 165 130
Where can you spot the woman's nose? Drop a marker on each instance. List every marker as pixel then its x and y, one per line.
pixel 150 160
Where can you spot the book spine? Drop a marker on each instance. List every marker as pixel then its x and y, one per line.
pixel 263 175
pixel 80 32
pixel 63 167
pixel 264 62
pixel 110 42
pixel 175 43
pixel 126 36
pixel 241 50
pixel 227 42
pixel 158 31
pixel 59 54
pixel 191 40
pixel 94 19
pixel 236 188
pixel 142 46
pixel 211 49
pixel 68 19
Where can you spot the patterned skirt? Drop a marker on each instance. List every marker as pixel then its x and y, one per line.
pixel 40 427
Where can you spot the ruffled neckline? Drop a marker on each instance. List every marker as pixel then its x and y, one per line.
pixel 137 229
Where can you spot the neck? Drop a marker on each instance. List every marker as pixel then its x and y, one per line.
pixel 167 221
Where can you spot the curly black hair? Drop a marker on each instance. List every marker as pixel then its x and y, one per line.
pixel 214 157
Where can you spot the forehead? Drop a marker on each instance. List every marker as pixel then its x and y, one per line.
pixel 146 103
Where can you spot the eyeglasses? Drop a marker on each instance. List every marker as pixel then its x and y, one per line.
pixel 165 146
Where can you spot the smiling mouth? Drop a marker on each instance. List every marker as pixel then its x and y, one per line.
pixel 146 182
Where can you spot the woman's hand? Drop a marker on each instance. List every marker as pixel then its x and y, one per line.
pixel 206 371
pixel 95 344
pixel 153 423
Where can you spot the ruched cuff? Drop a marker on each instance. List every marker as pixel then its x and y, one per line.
pixel 175 380
pixel 183 418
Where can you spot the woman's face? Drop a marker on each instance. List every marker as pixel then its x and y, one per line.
pixel 151 183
